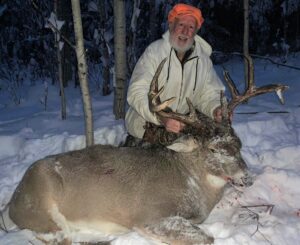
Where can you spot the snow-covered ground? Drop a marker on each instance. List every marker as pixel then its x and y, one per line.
pixel 268 212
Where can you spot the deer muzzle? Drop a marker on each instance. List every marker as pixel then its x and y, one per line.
pixel 241 179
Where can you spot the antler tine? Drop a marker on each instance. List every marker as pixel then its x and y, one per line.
pixel 191 118
pixel 192 109
pixel 154 82
pixel 155 104
pixel 250 80
pixel 224 106
pixel 231 85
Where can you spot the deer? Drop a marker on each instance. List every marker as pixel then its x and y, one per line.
pixel 162 189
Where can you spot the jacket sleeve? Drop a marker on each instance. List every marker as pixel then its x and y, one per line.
pixel 137 96
pixel 209 95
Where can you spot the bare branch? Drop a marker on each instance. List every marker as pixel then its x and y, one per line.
pixel 53 28
pixel 269 207
pixel 274 62
pixel 255 216
pixel 259 57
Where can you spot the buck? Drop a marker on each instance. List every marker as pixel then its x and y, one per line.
pixel 159 190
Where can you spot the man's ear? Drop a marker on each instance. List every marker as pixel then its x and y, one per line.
pixel 184 144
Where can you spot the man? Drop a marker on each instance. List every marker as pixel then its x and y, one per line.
pixel 187 73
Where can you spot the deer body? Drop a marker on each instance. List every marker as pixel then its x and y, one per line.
pixel 116 189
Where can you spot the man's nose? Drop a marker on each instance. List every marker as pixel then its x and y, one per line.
pixel 185 30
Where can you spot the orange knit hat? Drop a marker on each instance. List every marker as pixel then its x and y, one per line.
pixel 182 9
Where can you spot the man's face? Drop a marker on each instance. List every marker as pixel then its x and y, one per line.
pixel 182 33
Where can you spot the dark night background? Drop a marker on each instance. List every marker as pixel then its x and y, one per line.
pixel 26 44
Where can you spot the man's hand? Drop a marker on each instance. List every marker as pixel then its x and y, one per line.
pixel 218 115
pixel 172 125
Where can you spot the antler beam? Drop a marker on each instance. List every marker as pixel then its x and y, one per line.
pixel 161 108
pixel 251 90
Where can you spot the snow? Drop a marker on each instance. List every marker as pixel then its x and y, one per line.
pixel 268 212
pixel 54 22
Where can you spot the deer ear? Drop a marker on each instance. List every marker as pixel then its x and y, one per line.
pixel 184 144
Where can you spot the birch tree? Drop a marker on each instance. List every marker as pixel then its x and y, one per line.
pixel 120 58
pixel 83 73
pixel 132 36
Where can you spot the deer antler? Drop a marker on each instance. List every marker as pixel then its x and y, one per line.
pixel 155 104
pixel 251 89
pixel 161 108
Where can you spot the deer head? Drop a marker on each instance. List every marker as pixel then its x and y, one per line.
pixel 218 139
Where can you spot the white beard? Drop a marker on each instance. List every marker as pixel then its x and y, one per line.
pixel 181 49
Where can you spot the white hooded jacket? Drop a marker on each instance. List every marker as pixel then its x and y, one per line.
pixel 196 79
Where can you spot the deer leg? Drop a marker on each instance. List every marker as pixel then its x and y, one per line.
pixel 54 241
pixel 176 231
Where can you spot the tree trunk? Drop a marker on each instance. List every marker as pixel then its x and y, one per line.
pixel 61 85
pixel 132 36
pixel 120 58
pixel 63 14
pixel 297 29
pixel 60 69
pixel 285 21
pixel 106 90
pixel 82 73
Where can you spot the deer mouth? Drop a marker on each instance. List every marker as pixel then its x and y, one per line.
pixel 241 181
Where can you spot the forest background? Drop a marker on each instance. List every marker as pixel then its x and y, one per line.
pixel 29 49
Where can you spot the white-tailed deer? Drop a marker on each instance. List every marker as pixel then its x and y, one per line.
pixel 159 191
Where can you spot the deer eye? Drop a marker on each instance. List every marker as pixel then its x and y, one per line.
pixel 212 150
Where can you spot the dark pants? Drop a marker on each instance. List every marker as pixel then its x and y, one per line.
pixel 132 141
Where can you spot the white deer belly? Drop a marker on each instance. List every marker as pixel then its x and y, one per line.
pixel 86 226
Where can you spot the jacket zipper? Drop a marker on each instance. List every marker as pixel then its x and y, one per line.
pixel 196 74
